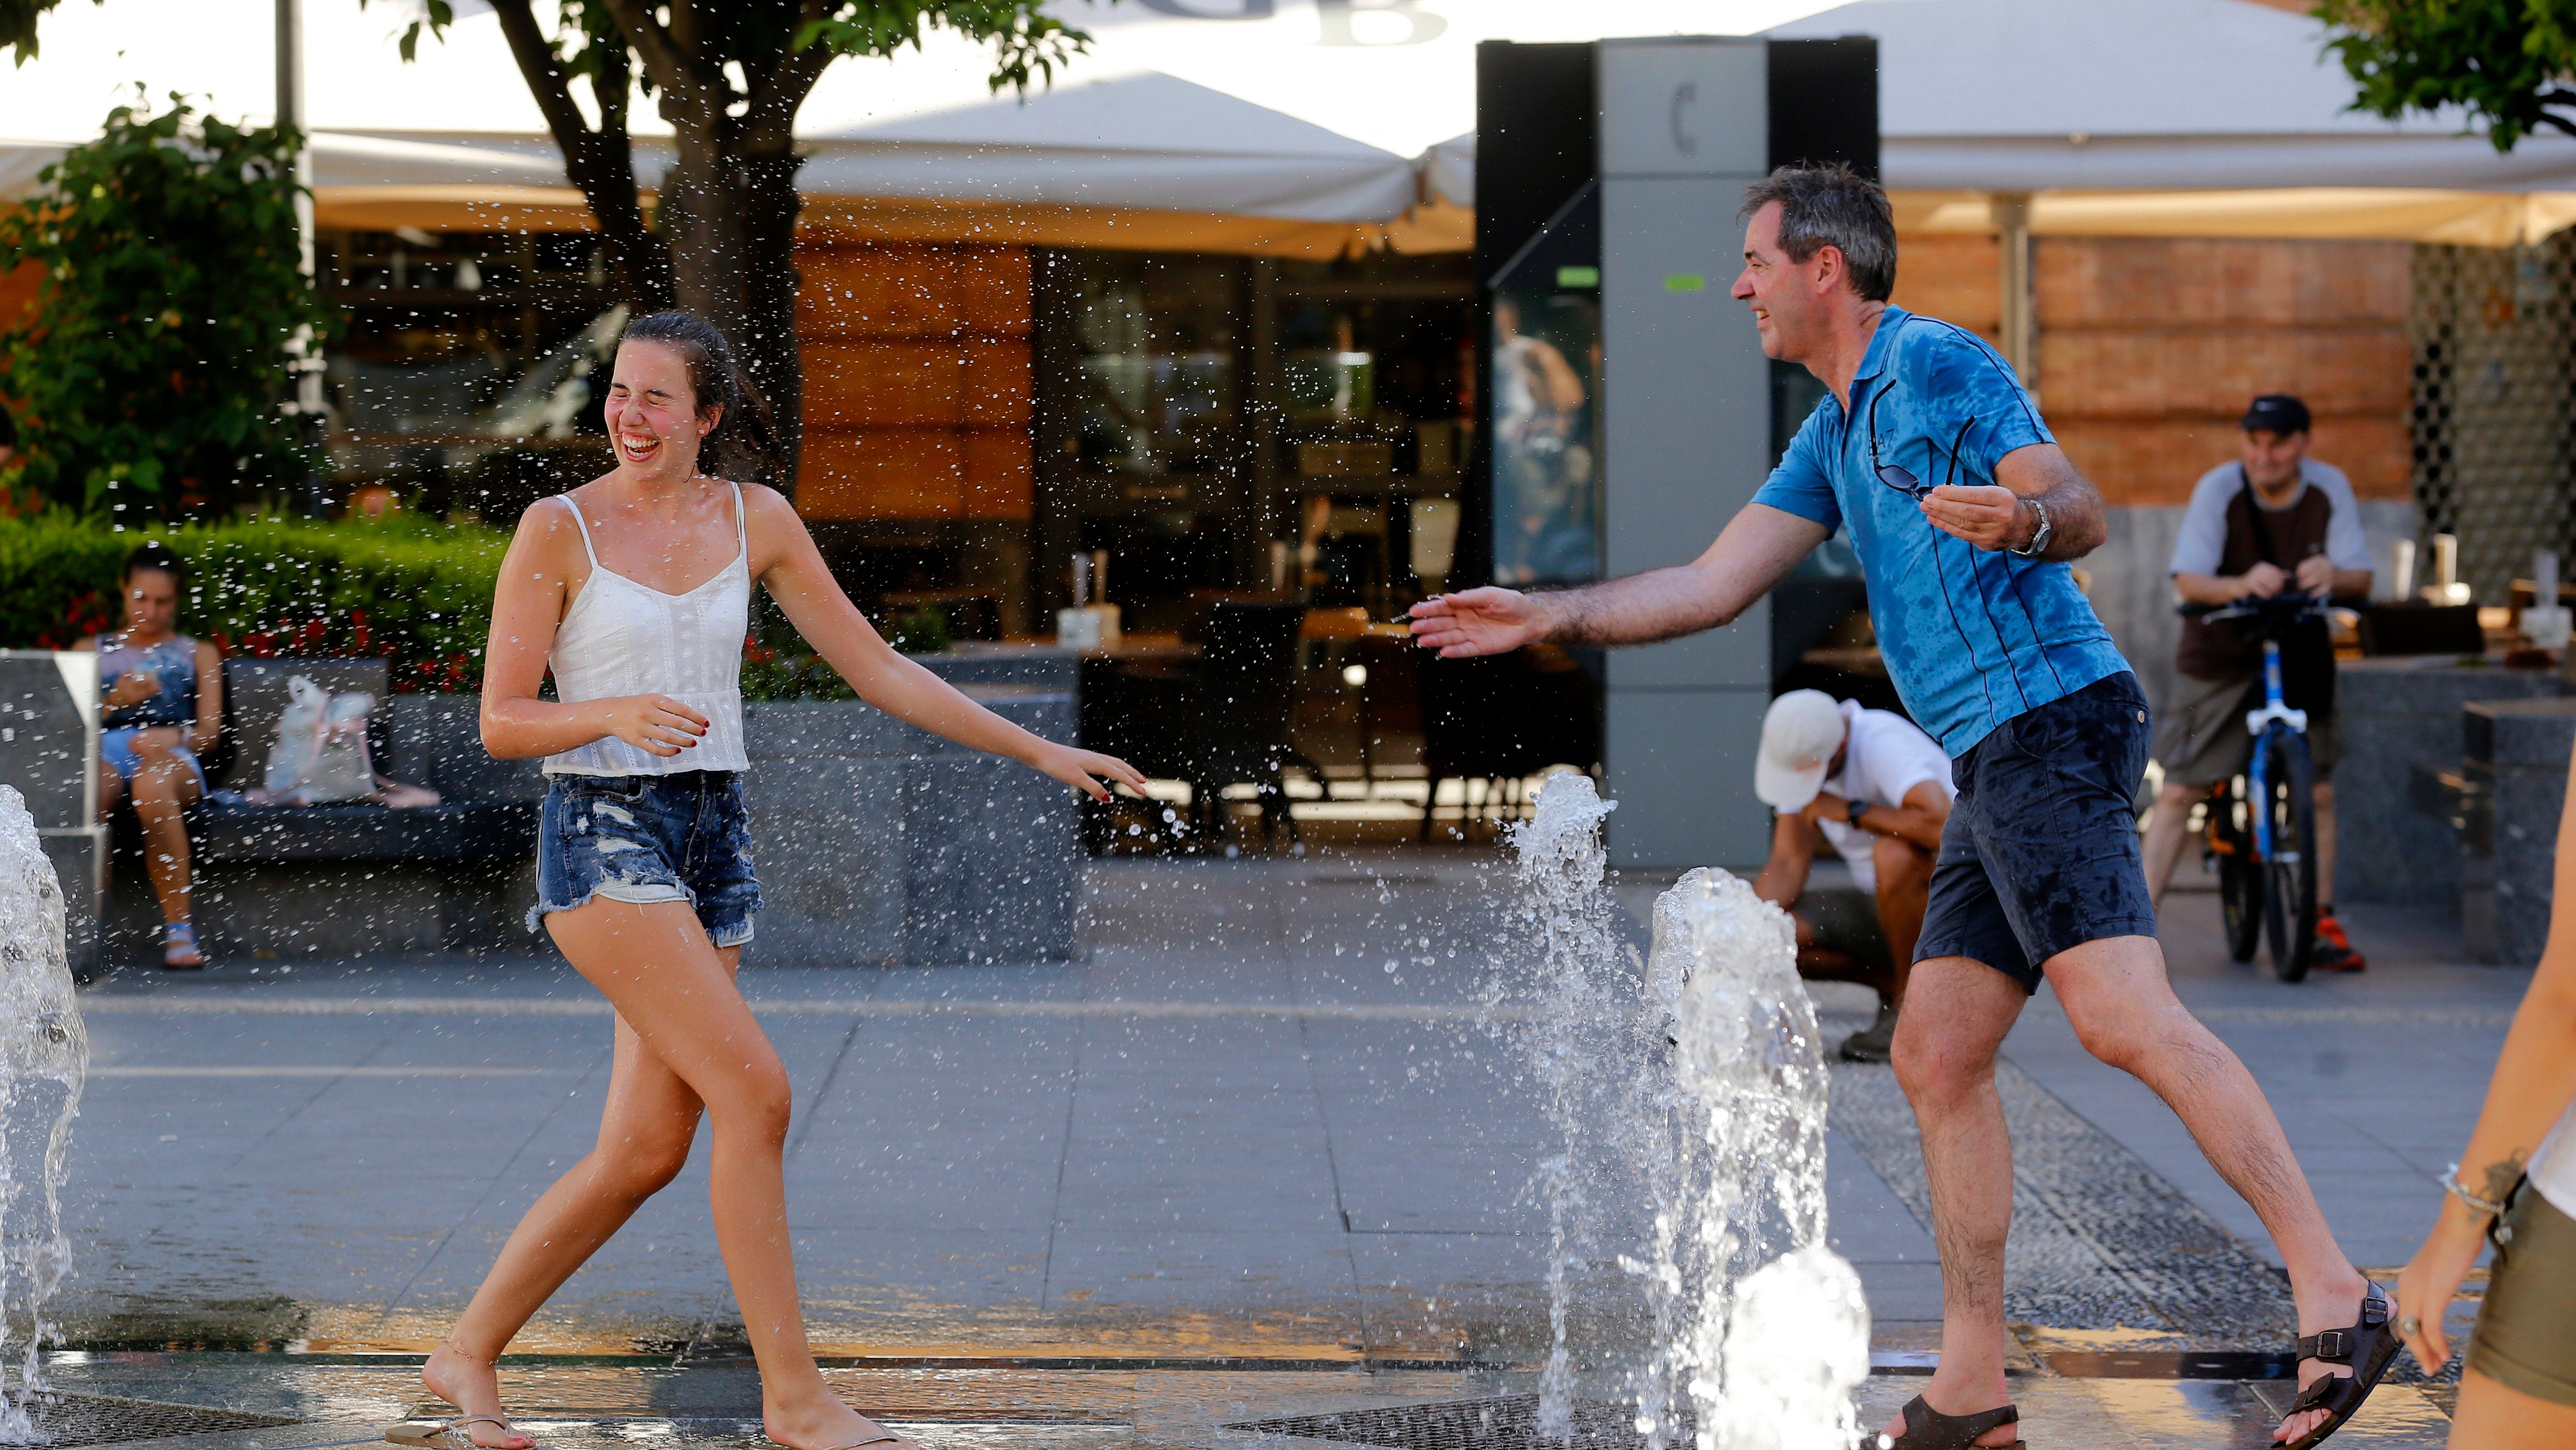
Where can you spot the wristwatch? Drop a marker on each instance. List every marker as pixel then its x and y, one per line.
pixel 2039 540
pixel 1854 809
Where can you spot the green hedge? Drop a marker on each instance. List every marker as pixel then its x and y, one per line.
pixel 417 592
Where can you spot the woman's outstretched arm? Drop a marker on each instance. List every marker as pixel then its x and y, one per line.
pixel 527 606
pixel 792 569
pixel 2535 1079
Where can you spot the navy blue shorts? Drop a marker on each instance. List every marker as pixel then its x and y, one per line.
pixel 2041 853
pixel 648 838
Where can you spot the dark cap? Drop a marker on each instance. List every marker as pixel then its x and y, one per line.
pixel 2276 413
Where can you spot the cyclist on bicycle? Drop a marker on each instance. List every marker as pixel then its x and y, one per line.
pixel 2275 520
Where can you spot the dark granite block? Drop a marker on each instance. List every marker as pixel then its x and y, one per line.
pixel 827 839
pixel 2397 714
pixel 990 850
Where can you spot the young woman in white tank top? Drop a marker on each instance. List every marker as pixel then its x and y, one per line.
pixel 635 589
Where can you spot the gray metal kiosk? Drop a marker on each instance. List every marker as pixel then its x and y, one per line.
pixel 49 752
pixel 1608 177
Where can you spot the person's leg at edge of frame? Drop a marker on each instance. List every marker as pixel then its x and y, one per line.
pixel 685 1038
pixel 2336 951
pixel 2493 1415
pixel 1904 872
pixel 2122 1007
pixel 1957 1012
pixel 2165 830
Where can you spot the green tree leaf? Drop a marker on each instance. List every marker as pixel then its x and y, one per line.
pixel 2508 63
pixel 147 375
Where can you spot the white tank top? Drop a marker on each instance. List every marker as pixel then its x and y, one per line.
pixel 625 638
pixel 2553 1165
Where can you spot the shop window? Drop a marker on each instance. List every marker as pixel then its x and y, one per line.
pixel 1156 341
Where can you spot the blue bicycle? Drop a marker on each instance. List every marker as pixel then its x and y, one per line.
pixel 2261 825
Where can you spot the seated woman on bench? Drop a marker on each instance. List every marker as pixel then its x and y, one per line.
pixel 163 695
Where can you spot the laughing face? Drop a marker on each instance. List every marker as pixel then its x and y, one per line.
pixel 1783 294
pixel 653 415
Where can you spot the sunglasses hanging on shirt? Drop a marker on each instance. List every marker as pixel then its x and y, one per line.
pixel 1896 475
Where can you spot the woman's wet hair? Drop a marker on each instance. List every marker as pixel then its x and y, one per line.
pixel 741 446
pixel 156 556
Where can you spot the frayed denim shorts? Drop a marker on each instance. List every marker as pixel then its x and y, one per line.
pixel 648 838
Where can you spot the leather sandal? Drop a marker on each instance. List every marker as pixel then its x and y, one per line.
pixel 2369 1346
pixel 1928 1429
pixel 446 1434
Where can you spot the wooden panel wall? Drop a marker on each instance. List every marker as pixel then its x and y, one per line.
pixel 918 393
pixel 2149 348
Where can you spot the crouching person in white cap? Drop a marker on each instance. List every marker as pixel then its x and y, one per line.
pixel 1878 790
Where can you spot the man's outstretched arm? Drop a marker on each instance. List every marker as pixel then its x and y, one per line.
pixel 1758 546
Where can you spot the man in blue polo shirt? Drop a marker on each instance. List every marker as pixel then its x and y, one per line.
pixel 1964 513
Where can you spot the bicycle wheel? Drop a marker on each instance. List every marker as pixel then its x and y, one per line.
pixel 2290 871
pixel 2240 877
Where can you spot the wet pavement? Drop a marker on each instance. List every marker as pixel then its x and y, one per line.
pixel 1253 1158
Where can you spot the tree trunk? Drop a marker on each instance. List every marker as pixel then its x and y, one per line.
pixel 729 221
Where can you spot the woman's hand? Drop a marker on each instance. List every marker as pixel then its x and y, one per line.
pixel 158 741
pixel 654 724
pixel 132 688
pixel 1077 767
pixel 2429 1280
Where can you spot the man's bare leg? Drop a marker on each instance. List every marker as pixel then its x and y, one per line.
pixel 2124 1011
pixel 1957 1012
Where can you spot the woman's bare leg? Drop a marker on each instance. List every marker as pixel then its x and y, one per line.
pixel 2493 1415
pixel 675 992
pixel 163 785
pixel 644 1137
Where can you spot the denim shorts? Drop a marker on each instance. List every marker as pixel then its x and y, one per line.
pixel 2041 852
pixel 116 751
pixel 649 838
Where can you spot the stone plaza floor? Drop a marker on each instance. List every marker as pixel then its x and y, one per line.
pixel 1228 1168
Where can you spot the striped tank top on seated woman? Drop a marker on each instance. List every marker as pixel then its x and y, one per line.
pixel 625 638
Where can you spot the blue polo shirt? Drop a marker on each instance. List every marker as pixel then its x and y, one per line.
pixel 1972 637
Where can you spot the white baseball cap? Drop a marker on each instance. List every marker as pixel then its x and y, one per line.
pixel 1800 733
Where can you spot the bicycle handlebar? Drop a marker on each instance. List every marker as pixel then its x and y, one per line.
pixel 2285 607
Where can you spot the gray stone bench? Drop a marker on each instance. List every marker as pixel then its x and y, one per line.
pixel 877 844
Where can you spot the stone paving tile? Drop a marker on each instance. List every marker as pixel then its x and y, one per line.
pixel 600 1407
pixel 347 1176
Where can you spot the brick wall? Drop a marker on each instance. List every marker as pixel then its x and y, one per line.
pixel 2149 348
pixel 918 390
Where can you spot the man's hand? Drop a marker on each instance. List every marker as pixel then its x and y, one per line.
pixel 2317 575
pixel 2264 580
pixel 1989 516
pixel 1487 621
pixel 1827 806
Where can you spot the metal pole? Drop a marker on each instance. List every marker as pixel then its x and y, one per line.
pixel 308 405
pixel 2019 322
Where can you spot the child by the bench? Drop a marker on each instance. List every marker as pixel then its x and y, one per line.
pixel 162 696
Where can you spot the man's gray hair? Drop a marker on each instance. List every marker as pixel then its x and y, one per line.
pixel 1832 206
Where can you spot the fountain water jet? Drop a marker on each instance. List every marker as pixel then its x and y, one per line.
pixel 44 1058
pixel 1770 1334
pixel 1690 1084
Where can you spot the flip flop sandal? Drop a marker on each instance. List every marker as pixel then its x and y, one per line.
pixel 445 1434
pixel 2369 1346
pixel 1928 1429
